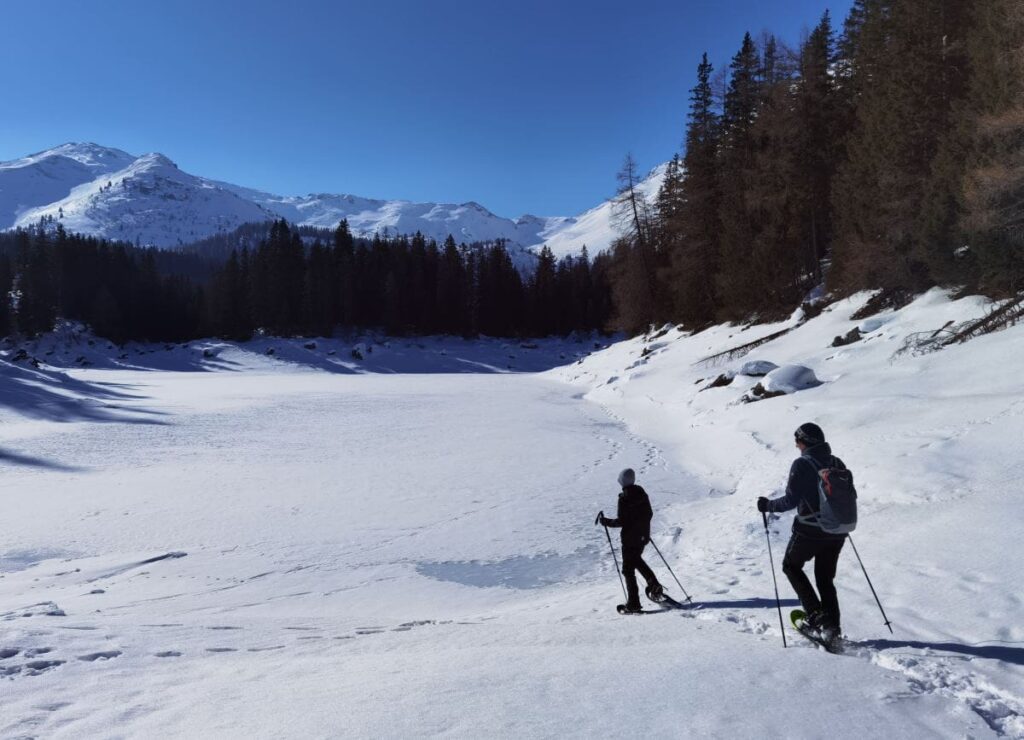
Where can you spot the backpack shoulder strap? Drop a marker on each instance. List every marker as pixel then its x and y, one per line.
pixel 813 463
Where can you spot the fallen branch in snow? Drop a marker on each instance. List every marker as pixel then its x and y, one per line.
pixel 999 317
pixel 732 354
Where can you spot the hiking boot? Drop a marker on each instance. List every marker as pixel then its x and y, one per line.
pixel 629 609
pixel 655 592
pixel 814 621
pixel 832 637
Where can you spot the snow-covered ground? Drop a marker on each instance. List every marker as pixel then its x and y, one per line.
pixel 212 541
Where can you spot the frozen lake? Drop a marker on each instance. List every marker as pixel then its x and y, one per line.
pixel 306 554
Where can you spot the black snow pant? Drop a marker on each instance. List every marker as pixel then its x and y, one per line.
pixel 825 552
pixel 632 561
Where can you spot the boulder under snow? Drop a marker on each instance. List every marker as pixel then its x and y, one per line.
pixel 790 379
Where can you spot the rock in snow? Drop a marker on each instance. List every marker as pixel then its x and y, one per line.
pixel 757 368
pixel 790 379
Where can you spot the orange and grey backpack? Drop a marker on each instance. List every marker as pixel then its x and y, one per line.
pixel 837 499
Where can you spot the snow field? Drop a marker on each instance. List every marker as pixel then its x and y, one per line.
pixel 243 545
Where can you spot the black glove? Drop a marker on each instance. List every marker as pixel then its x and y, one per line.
pixel 603 519
pixel 600 517
pixel 763 504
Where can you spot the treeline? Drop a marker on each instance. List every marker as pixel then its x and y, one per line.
pixel 403 285
pixel 288 286
pixel 122 292
pixel 890 156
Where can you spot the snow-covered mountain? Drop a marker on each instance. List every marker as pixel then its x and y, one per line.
pixel 107 192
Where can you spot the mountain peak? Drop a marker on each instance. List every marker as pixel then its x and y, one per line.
pixel 88 154
pixel 104 191
pixel 154 159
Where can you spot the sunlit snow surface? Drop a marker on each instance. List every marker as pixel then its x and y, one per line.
pixel 207 541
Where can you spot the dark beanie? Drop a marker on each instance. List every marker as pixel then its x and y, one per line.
pixel 810 434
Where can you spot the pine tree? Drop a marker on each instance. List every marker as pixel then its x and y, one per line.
pixel 37 301
pixel 670 205
pixel 775 264
pixel 994 183
pixel 695 250
pixel 639 298
pixel 450 290
pixel 818 137
pixel 737 281
pixel 543 295
pixel 908 78
pixel 6 280
pixel 321 291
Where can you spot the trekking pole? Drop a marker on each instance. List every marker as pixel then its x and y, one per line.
pixel 778 603
pixel 689 599
pixel 887 622
pixel 614 556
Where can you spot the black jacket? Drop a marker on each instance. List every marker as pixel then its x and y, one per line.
pixel 802 491
pixel 634 516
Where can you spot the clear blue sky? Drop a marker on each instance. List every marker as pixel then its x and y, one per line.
pixel 521 105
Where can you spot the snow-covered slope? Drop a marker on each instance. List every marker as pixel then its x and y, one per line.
pixel 150 201
pixel 107 192
pixel 40 179
pixel 935 442
pixel 595 228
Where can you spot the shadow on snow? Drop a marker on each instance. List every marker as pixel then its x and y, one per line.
pixel 52 395
pixel 1005 652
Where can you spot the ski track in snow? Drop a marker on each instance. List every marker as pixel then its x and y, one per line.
pixel 482 576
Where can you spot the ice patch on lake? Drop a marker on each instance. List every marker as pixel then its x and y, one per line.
pixel 518 571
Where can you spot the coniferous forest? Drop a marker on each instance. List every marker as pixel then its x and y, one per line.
pixel 887 153
pixel 287 286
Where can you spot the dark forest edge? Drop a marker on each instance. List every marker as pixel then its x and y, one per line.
pixel 286 286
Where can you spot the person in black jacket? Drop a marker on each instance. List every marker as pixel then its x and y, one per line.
pixel 634 518
pixel 809 541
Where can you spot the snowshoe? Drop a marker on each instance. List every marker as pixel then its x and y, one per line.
pixel 629 609
pixel 810 627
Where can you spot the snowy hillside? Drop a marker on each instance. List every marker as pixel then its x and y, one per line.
pixel 44 178
pixel 596 228
pixel 106 192
pixel 395 538
pixel 150 201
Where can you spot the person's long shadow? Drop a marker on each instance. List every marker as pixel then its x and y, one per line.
pixel 15 458
pixel 754 603
pixel 1006 652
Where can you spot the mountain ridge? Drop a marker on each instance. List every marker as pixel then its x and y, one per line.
pixel 149 200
